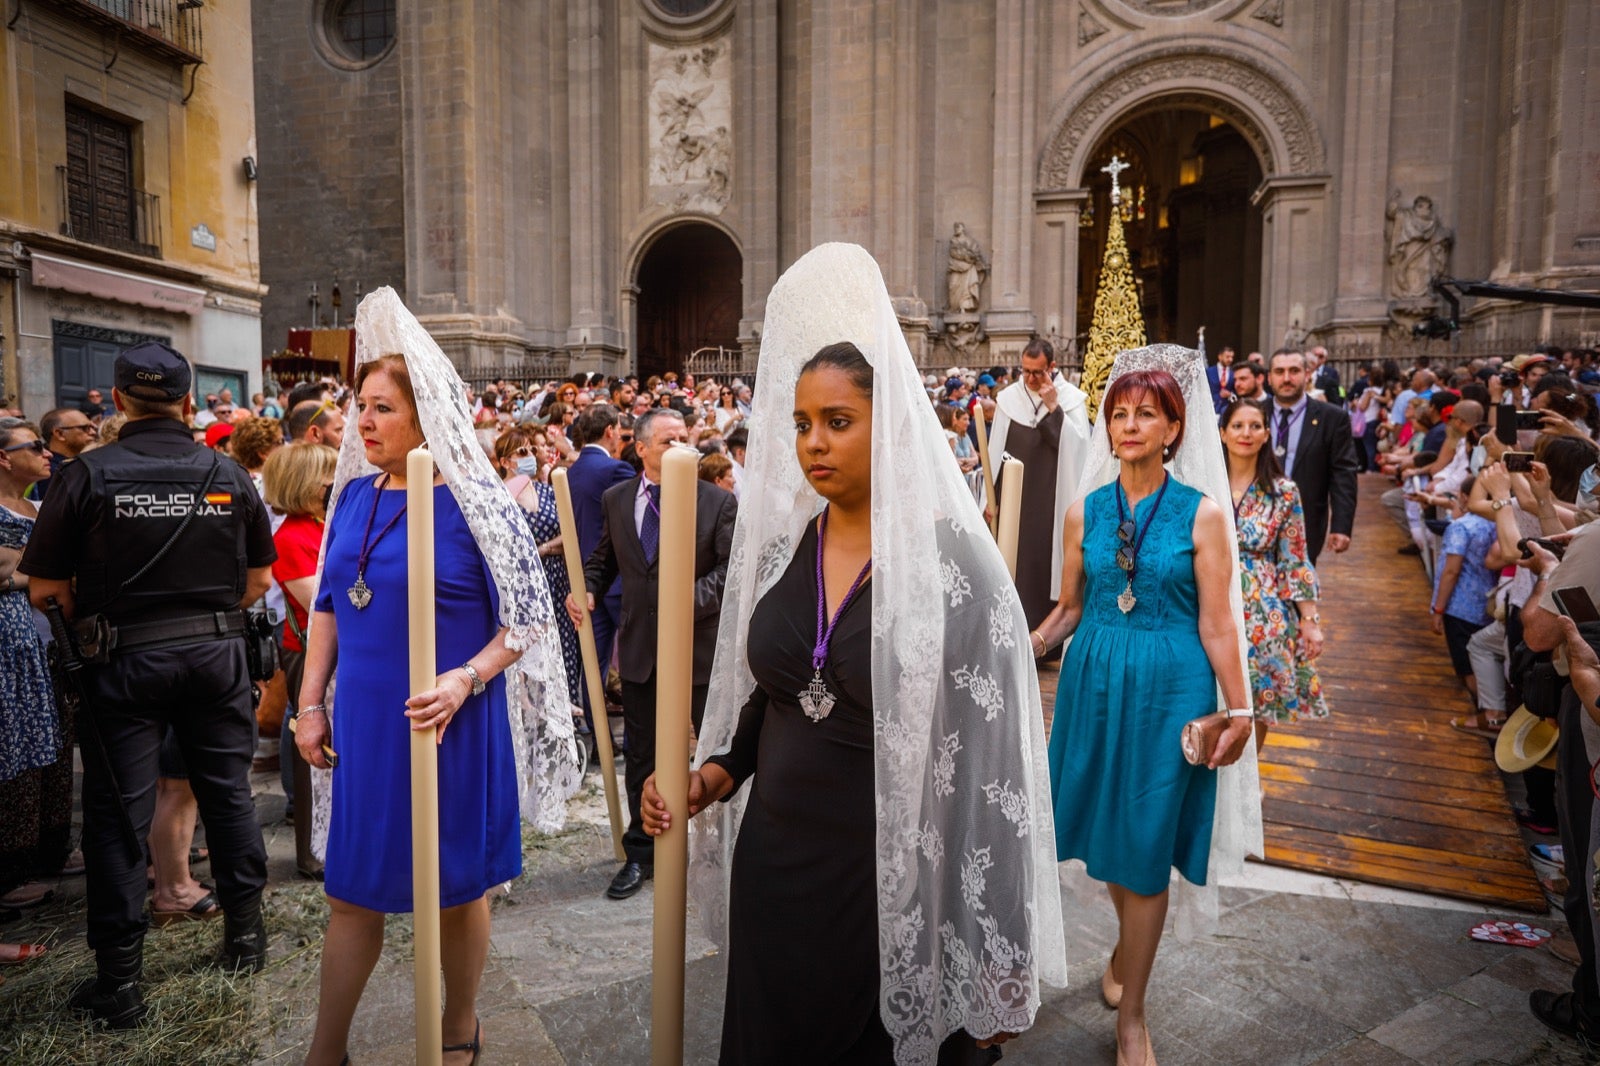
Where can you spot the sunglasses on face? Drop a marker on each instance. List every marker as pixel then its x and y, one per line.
pixel 35 446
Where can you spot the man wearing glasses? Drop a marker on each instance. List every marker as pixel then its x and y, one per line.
pixel 67 432
pixel 1043 420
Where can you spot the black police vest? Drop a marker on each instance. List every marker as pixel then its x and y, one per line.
pixel 142 500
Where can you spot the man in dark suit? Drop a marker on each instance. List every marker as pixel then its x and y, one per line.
pixel 1325 377
pixel 598 433
pixel 628 545
pixel 1312 440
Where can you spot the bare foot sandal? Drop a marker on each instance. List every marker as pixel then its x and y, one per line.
pixel 1481 724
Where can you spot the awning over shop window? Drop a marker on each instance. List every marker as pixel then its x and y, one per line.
pixel 88 279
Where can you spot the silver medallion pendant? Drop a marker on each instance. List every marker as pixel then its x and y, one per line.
pixel 1126 601
pixel 360 595
pixel 816 700
pixel 1281 452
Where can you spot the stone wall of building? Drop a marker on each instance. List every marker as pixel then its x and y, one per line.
pixel 332 174
pixel 187 269
pixel 536 151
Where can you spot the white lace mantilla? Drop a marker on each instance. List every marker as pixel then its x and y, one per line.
pixel 1201 464
pixel 969 912
pixel 536 687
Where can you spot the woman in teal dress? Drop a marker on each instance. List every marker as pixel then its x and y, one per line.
pixel 1146 571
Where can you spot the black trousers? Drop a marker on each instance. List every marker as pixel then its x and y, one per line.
pixel 1575 804
pixel 639 761
pixel 203 692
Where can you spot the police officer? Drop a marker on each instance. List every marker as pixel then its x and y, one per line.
pixel 155 544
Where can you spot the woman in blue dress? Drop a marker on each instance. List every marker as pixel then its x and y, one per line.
pixel 1146 572
pixel 361 620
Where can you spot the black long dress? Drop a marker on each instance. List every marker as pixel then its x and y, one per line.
pixel 803 911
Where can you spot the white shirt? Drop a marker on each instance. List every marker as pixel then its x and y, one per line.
pixel 1297 418
pixel 738 476
pixel 641 500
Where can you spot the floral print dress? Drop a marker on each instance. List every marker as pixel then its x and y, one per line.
pixel 1277 574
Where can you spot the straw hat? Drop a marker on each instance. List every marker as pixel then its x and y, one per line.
pixel 1522 362
pixel 1525 741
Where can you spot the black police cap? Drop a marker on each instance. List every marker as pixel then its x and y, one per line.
pixel 152 371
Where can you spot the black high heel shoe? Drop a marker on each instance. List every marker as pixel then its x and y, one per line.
pixel 475 1046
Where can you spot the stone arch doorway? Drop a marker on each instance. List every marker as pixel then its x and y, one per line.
pixel 690 295
pixel 1194 237
pixel 1235 95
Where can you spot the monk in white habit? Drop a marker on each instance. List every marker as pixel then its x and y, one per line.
pixel 1043 421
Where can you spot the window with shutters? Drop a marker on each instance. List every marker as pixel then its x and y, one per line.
pixel 99 201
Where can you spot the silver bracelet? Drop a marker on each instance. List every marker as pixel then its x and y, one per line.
pixel 313 708
pixel 1239 712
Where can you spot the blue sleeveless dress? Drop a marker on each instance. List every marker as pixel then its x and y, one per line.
pixel 1126 802
pixel 369 839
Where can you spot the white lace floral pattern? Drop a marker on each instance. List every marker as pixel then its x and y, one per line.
pixel 536 689
pixel 1200 464
pixel 955 952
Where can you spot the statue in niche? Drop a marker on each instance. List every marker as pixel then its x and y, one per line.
pixel 965 272
pixel 1419 248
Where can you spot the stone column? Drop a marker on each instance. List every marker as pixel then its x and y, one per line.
pixel 757 66
pixel 1055 256
pixel 592 210
pixel 1360 301
pixel 1294 214
pixel 1009 322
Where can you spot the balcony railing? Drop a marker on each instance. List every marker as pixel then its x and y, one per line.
pixel 129 221
pixel 169 28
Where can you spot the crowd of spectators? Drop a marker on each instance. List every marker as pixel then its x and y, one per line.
pixel 1494 463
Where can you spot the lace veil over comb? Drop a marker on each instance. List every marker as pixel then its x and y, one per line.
pixel 969 912
pixel 536 687
pixel 1201 464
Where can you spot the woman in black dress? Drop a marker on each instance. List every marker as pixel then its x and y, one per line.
pixel 808 980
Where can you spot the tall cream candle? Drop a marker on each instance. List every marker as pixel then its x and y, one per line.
pixel 988 468
pixel 424 759
pixel 1010 523
pixel 591 658
pixel 674 682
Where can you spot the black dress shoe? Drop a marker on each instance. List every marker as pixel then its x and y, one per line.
pixel 119 1007
pixel 629 880
pixel 1555 1009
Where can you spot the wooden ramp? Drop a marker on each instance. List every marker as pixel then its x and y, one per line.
pixel 1384 791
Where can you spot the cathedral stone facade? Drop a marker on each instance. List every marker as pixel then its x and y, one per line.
pixel 616 184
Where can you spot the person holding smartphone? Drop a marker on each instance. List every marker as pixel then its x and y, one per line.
pixel 1576 1011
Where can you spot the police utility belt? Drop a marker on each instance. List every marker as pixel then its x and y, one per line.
pixel 98 638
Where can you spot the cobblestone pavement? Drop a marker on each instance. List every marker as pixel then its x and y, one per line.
pixel 1304 970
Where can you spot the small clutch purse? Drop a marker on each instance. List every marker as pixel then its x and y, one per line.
pixel 1200 737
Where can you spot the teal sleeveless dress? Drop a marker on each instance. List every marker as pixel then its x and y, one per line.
pixel 1126 802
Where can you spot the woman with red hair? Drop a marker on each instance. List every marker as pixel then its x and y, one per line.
pixel 1147 565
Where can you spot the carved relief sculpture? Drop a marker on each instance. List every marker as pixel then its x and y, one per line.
pixel 690 114
pixel 965 272
pixel 1418 249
